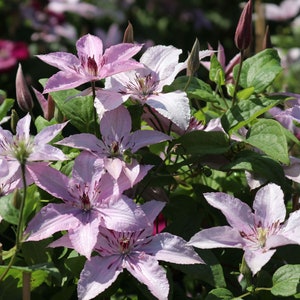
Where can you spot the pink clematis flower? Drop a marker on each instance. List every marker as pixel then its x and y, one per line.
pixel 92 63
pixel 138 251
pixel 145 85
pixel 28 150
pixel 118 144
pixel 91 198
pixel 256 233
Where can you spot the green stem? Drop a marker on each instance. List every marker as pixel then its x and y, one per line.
pixel 252 292
pixel 238 78
pixel 95 112
pixel 20 225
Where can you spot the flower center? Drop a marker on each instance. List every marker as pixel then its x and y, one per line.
pixel 92 67
pixel 85 202
pixel 142 86
pixel 259 235
pixel 124 245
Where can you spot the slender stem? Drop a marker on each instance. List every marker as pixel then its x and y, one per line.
pixel 19 232
pixel 253 292
pixel 238 78
pixel 95 112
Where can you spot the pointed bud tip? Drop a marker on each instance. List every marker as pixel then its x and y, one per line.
pixel 193 62
pixel 128 34
pixel 243 33
pixel 23 95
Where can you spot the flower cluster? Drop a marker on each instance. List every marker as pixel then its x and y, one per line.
pixel 133 161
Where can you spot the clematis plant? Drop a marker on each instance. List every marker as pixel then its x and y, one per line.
pixel 256 233
pixel 137 251
pixel 92 63
pixel 91 198
pixel 118 144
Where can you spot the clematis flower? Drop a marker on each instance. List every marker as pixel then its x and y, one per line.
pixel 258 232
pixel 90 65
pixel 118 144
pixel 145 85
pixel 137 251
pixel 25 149
pixel 287 9
pixel 91 198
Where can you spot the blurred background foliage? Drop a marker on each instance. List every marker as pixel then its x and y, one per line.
pixel 55 25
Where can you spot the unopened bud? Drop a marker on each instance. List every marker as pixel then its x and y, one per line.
pixel 47 105
pixel 267 40
pixel 193 62
pixel 17 199
pixel 243 33
pixel 128 34
pixel 23 94
pixel 14 118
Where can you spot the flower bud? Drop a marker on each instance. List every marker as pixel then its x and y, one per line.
pixel 23 94
pixel 243 33
pixel 193 62
pixel 128 34
pixel 14 118
pixel 267 40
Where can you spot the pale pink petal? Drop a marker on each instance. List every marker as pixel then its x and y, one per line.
pixel 63 241
pixel 85 141
pixel 51 180
pixel 162 60
pixel 84 237
pixel 64 80
pixel 108 100
pixel 146 269
pixel 293 170
pixel 152 209
pixel 217 237
pixel 121 52
pixel 61 60
pixel 136 172
pixel 122 215
pixel 238 214
pixel 90 46
pixel 48 133
pixel 257 259
pixel 171 248
pixel 87 168
pixel 47 153
pixel 23 128
pixel 169 104
pixel 291 228
pixel 114 167
pixel 115 125
pixel 50 219
pixel 97 275
pixel 269 205
pixel 144 138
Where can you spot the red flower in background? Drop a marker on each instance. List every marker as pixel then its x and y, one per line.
pixel 10 53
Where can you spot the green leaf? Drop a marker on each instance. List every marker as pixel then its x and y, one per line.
pixel 8 212
pixel 216 72
pixel 268 136
pixel 260 165
pixel 220 293
pixel 79 110
pixel 5 107
pixel 202 142
pixel 260 70
pixel 248 110
pixel 286 281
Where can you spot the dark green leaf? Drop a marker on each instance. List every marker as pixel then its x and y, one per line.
pixel 268 136
pixel 260 70
pixel 202 142
pixel 286 281
pixel 247 110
